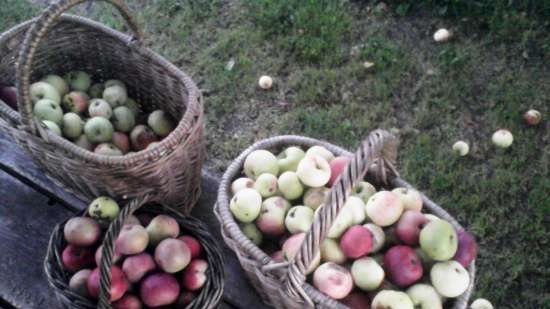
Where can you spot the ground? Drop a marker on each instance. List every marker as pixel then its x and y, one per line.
pixel 430 95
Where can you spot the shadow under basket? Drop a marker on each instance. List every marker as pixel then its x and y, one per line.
pixel 56 43
pixel 207 298
pixel 283 285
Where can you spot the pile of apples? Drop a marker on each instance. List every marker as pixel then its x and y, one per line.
pixel 382 251
pixel 99 117
pixel 153 264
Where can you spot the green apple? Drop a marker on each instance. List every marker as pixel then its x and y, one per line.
pixel 289 185
pixel 367 273
pixel 299 219
pixel 363 190
pixel 271 220
pixel 431 217
pixel 259 162
pixel 450 278
pixel 123 119
pixel 96 90
pixel 343 221
pixel 424 296
pixel 104 208
pixel 313 171
pixel 84 142
pixel 100 108
pixel 52 126
pixel 289 158
pixel 410 198
pixel 320 151
pixel 315 197
pixel 108 149
pixel 98 130
pixel 251 231
pixel 79 80
pixel 43 90
pixel 266 185
pixel 114 82
pixel 481 303
pixel 72 125
pixel 241 183
pixel 161 123
pixel 115 95
pixel 378 236
pixel 389 299
pixel 503 138
pixel 246 205
pixel 133 106
pixel 46 109
pixel 331 252
pixel 439 240
pixel 58 83
pixel 356 206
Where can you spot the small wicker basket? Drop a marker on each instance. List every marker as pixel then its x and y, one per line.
pixel 59 43
pixel 283 285
pixel 209 296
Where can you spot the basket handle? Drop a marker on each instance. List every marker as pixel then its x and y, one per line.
pixel 37 32
pixel 379 147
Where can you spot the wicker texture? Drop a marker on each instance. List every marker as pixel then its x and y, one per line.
pixel 283 285
pixel 59 43
pixel 209 296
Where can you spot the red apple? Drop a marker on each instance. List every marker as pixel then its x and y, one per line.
pixel 409 226
pixel 141 136
pixel 193 244
pixel 76 102
pixel 467 248
pixel 136 266
pixel 121 141
pixel 337 166
pixel 119 283
pixel 82 231
pixel 159 289
pixel 172 255
pixel 8 94
pixel 403 266
pixel 185 298
pixel 76 258
pixel 128 301
pixel 133 239
pixel 194 275
pixel 356 241
pixel 78 282
pixel 277 256
pixel 357 300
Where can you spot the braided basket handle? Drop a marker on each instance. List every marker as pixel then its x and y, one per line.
pixel 379 148
pixel 37 32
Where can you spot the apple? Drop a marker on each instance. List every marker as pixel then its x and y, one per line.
pixel 389 299
pixel 251 231
pixel 241 183
pixel 384 208
pixel 450 279
pixel 72 125
pixel 331 252
pixel 123 119
pixel 133 106
pixel 193 244
pixel 114 82
pixel 363 190
pixel 367 274
pixel 81 231
pixel 119 284
pixel 84 142
pixel 58 83
pixel 78 80
pixel 532 117
pixel 141 136
pixel 152 145
pixel 76 258
pixel 314 197
pixel 137 266
pixel 107 149
pixel 320 151
pixel 96 90
pixel 78 282
pixel 442 35
pixel 424 296
pixel 277 256
pixel 378 236
pixel 481 303
pixel 467 248
pixel 103 208
pixel 289 158
pixel 343 221
pixel 133 239
pixel 439 240
pixel 431 217
pixel 76 102
pixel 337 166
pixel 98 130
pixel 292 245
pixel 409 226
pixel 333 280
pixel 159 290
pixel 461 148
pixel 128 301
pixel 356 206
pixel 121 141
pixel 52 126
pixel 172 255
pixel 259 162
pixel 299 219
pixel 161 123
pixel 403 266
pixel 185 298
pixel 265 82
pixel 356 242
pixel 289 185
pixel 246 205
pixel 46 109
pixel 194 276
pixel 410 198
pixel 356 300
pixel 266 185
pixel 42 90
pixel 503 138
pixel 8 94
pixel 99 252
pixel 100 108
pixel 271 220
pixel 313 171
pixel 162 227
pixel 115 95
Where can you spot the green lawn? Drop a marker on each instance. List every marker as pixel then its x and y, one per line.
pixel 430 95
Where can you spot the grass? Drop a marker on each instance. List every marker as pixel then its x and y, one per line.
pixel 430 95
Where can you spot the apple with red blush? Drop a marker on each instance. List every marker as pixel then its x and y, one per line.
pixel 403 266
pixel 409 226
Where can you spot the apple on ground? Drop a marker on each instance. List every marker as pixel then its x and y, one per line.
pixel 439 240
pixel 532 117
pixel 481 303
pixel 409 226
pixel 333 280
pixel 119 284
pixel 403 266
pixel 246 205
pixel 289 158
pixel 331 252
pixel 299 219
pixel 410 198
pixel 159 289
pixel 389 299
pixel 259 162
pixel 384 208
pixel 424 296
pixel 135 267
pixel 378 236
pixel 162 227
pixel 367 274
pixel 503 138
pixel 266 185
pixel 313 171
pixel 450 279
pixel 241 183
pixel 290 186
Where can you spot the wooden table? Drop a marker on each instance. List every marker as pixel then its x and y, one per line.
pixel 31 205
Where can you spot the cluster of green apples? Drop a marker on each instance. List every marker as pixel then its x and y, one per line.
pixel 382 251
pixel 99 117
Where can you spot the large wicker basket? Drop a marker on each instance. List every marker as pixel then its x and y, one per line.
pixel 58 43
pixel 209 296
pixel 283 285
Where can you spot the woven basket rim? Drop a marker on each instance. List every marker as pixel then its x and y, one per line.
pixel 187 124
pixel 232 230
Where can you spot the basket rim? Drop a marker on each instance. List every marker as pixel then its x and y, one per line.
pixel 231 229
pixel 188 124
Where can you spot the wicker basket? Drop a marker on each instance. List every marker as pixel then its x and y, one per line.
pixel 58 43
pixel 209 296
pixel 283 285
